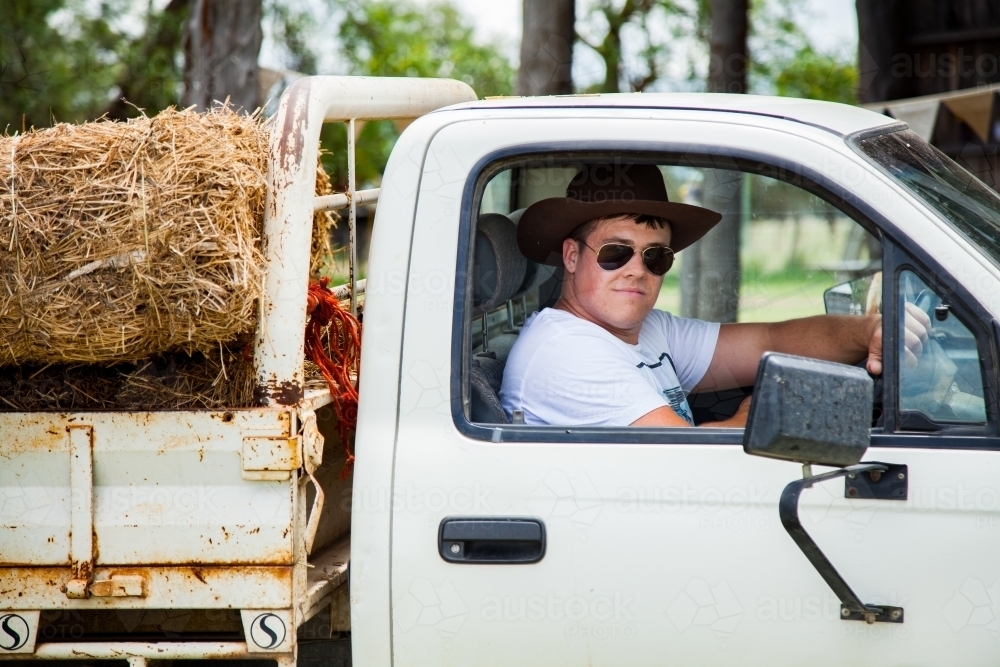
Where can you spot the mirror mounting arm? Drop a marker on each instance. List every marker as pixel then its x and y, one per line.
pixel 852 608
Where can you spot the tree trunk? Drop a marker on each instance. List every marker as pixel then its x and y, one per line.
pixel 710 270
pixel 727 68
pixel 880 38
pixel 221 42
pixel 547 48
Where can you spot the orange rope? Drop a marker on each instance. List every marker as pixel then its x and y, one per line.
pixel 333 342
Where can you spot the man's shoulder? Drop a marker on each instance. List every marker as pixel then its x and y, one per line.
pixel 665 320
pixel 556 333
pixel 553 322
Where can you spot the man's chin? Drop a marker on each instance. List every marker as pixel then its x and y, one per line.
pixel 630 321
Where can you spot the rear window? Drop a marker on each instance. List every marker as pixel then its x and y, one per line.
pixel 960 198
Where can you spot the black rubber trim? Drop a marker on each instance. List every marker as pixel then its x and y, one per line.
pixel 694 155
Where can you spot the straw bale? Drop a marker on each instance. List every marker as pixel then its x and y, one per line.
pixel 123 241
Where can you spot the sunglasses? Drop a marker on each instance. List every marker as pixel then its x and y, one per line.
pixel 612 256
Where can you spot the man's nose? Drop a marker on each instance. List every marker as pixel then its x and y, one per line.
pixel 635 266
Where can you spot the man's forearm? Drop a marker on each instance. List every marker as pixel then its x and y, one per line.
pixel 841 338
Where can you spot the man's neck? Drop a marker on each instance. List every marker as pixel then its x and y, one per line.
pixel 569 305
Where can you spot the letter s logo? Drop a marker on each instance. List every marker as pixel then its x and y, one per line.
pixel 14 632
pixel 267 631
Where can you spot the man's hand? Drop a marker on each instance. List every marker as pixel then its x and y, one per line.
pixel 742 414
pixel 918 326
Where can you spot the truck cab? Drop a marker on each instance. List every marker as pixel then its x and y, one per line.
pixel 652 545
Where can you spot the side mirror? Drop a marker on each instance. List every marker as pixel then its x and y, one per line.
pixel 810 411
pixel 818 412
pixel 860 296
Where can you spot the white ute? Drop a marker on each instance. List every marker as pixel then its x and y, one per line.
pixel 473 540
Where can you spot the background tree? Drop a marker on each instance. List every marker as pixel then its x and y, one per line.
pixel 151 64
pixel 710 270
pixel 221 44
pixel 294 30
pixel 784 62
pixel 401 38
pixel 56 61
pixel 606 27
pixel 547 37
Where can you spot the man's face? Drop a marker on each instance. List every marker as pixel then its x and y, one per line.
pixel 621 298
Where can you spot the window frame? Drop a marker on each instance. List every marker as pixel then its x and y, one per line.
pixel 985 329
pixel 755 162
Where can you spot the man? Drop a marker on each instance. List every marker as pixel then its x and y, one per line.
pixel 603 356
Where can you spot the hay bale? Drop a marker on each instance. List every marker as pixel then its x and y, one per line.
pixel 220 379
pixel 122 241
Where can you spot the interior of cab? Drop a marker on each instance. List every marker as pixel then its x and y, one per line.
pixel 798 255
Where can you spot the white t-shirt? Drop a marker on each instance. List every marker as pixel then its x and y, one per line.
pixel 567 371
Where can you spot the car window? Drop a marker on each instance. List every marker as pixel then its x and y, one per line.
pixel 940 378
pixel 797 256
pixel 957 196
pixel 793 248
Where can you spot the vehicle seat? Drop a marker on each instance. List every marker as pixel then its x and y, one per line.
pixel 498 272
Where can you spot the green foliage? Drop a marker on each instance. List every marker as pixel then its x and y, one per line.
pixel 784 62
pixel 150 67
pixel 49 72
pixel 375 142
pixel 815 76
pixel 400 38
pixel 293 29
pixel 69 60
pixel 635 53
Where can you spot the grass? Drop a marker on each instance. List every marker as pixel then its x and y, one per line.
pixel 781 278
pixel 765 297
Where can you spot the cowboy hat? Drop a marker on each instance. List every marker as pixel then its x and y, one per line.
pixel 606 189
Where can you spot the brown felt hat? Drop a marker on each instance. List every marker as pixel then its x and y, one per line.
pixel 606 189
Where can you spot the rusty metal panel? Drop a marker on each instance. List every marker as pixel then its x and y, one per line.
pixel 271 454
pixel 237 587
pixel 168 488
pixel 34 490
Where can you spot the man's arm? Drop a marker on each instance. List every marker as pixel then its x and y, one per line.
pixel 845 339
pixel 666 416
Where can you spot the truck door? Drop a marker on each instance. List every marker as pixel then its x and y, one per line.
pixel 521 544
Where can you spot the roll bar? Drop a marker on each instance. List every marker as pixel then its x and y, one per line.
pixel 291 181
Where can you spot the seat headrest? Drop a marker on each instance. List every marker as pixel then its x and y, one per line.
pixel 498 267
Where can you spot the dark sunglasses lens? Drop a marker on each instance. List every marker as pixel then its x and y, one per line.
pixel 614 256
pixel 658 260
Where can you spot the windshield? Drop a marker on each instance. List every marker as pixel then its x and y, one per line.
pixel 961 198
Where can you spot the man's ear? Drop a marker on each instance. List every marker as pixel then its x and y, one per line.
pixel 570 254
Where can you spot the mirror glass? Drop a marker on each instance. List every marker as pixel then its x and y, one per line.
pixel 861 296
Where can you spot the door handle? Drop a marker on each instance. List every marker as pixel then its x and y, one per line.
pixel 491 539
